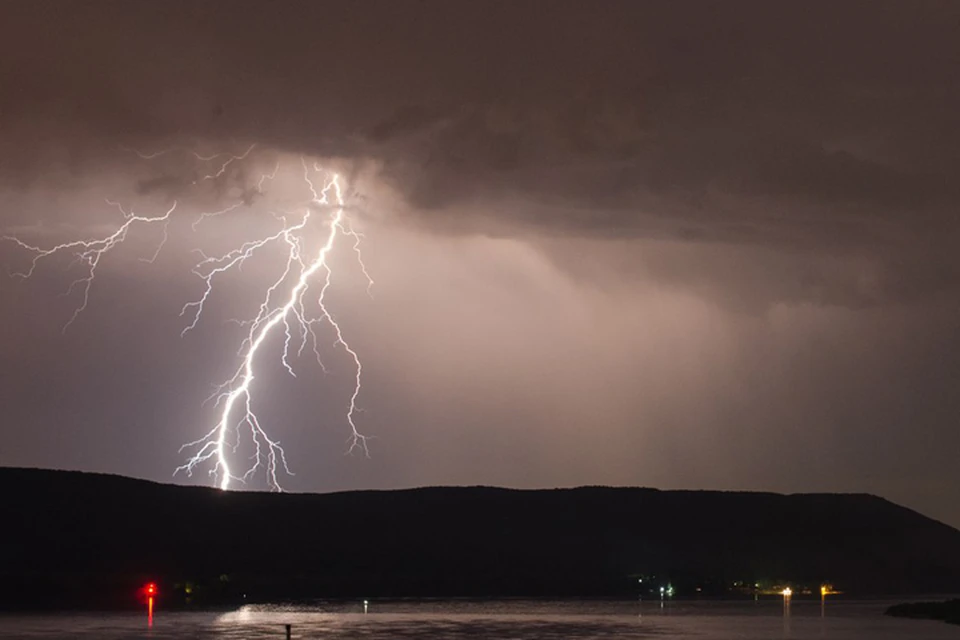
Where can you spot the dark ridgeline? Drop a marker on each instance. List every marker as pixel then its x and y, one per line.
pixel 948 611
pixel 82 539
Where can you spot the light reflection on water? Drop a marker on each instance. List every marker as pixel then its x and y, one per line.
pixel 506 620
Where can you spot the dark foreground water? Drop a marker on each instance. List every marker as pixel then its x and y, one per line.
pixel 507 620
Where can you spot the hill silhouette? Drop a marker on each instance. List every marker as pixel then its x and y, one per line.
pixel 81 539
pixel 948 611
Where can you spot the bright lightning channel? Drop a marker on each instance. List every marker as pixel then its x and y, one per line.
pixel 234 401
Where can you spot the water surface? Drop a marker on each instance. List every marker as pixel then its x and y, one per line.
pixel 499 620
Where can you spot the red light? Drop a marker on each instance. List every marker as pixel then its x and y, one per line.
pixel 151 589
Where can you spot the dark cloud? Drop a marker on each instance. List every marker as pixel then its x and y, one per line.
pixel 795 125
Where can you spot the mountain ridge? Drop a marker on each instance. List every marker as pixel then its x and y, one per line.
pixel 82 536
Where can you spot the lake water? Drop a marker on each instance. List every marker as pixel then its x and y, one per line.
pixel 502 620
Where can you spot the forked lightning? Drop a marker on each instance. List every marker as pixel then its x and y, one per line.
pixel 287 310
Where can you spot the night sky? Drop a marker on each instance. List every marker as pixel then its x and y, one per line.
pixel 670 244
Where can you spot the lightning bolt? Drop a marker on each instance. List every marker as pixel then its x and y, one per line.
pixel 91 251
pixel 223 167
pixel 286 310
pixel 235 397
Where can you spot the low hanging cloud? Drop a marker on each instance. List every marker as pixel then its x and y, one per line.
pixel 740 124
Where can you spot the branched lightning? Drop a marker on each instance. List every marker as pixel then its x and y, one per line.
pixel 230 160
pixel 286 310
pixel 90 251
